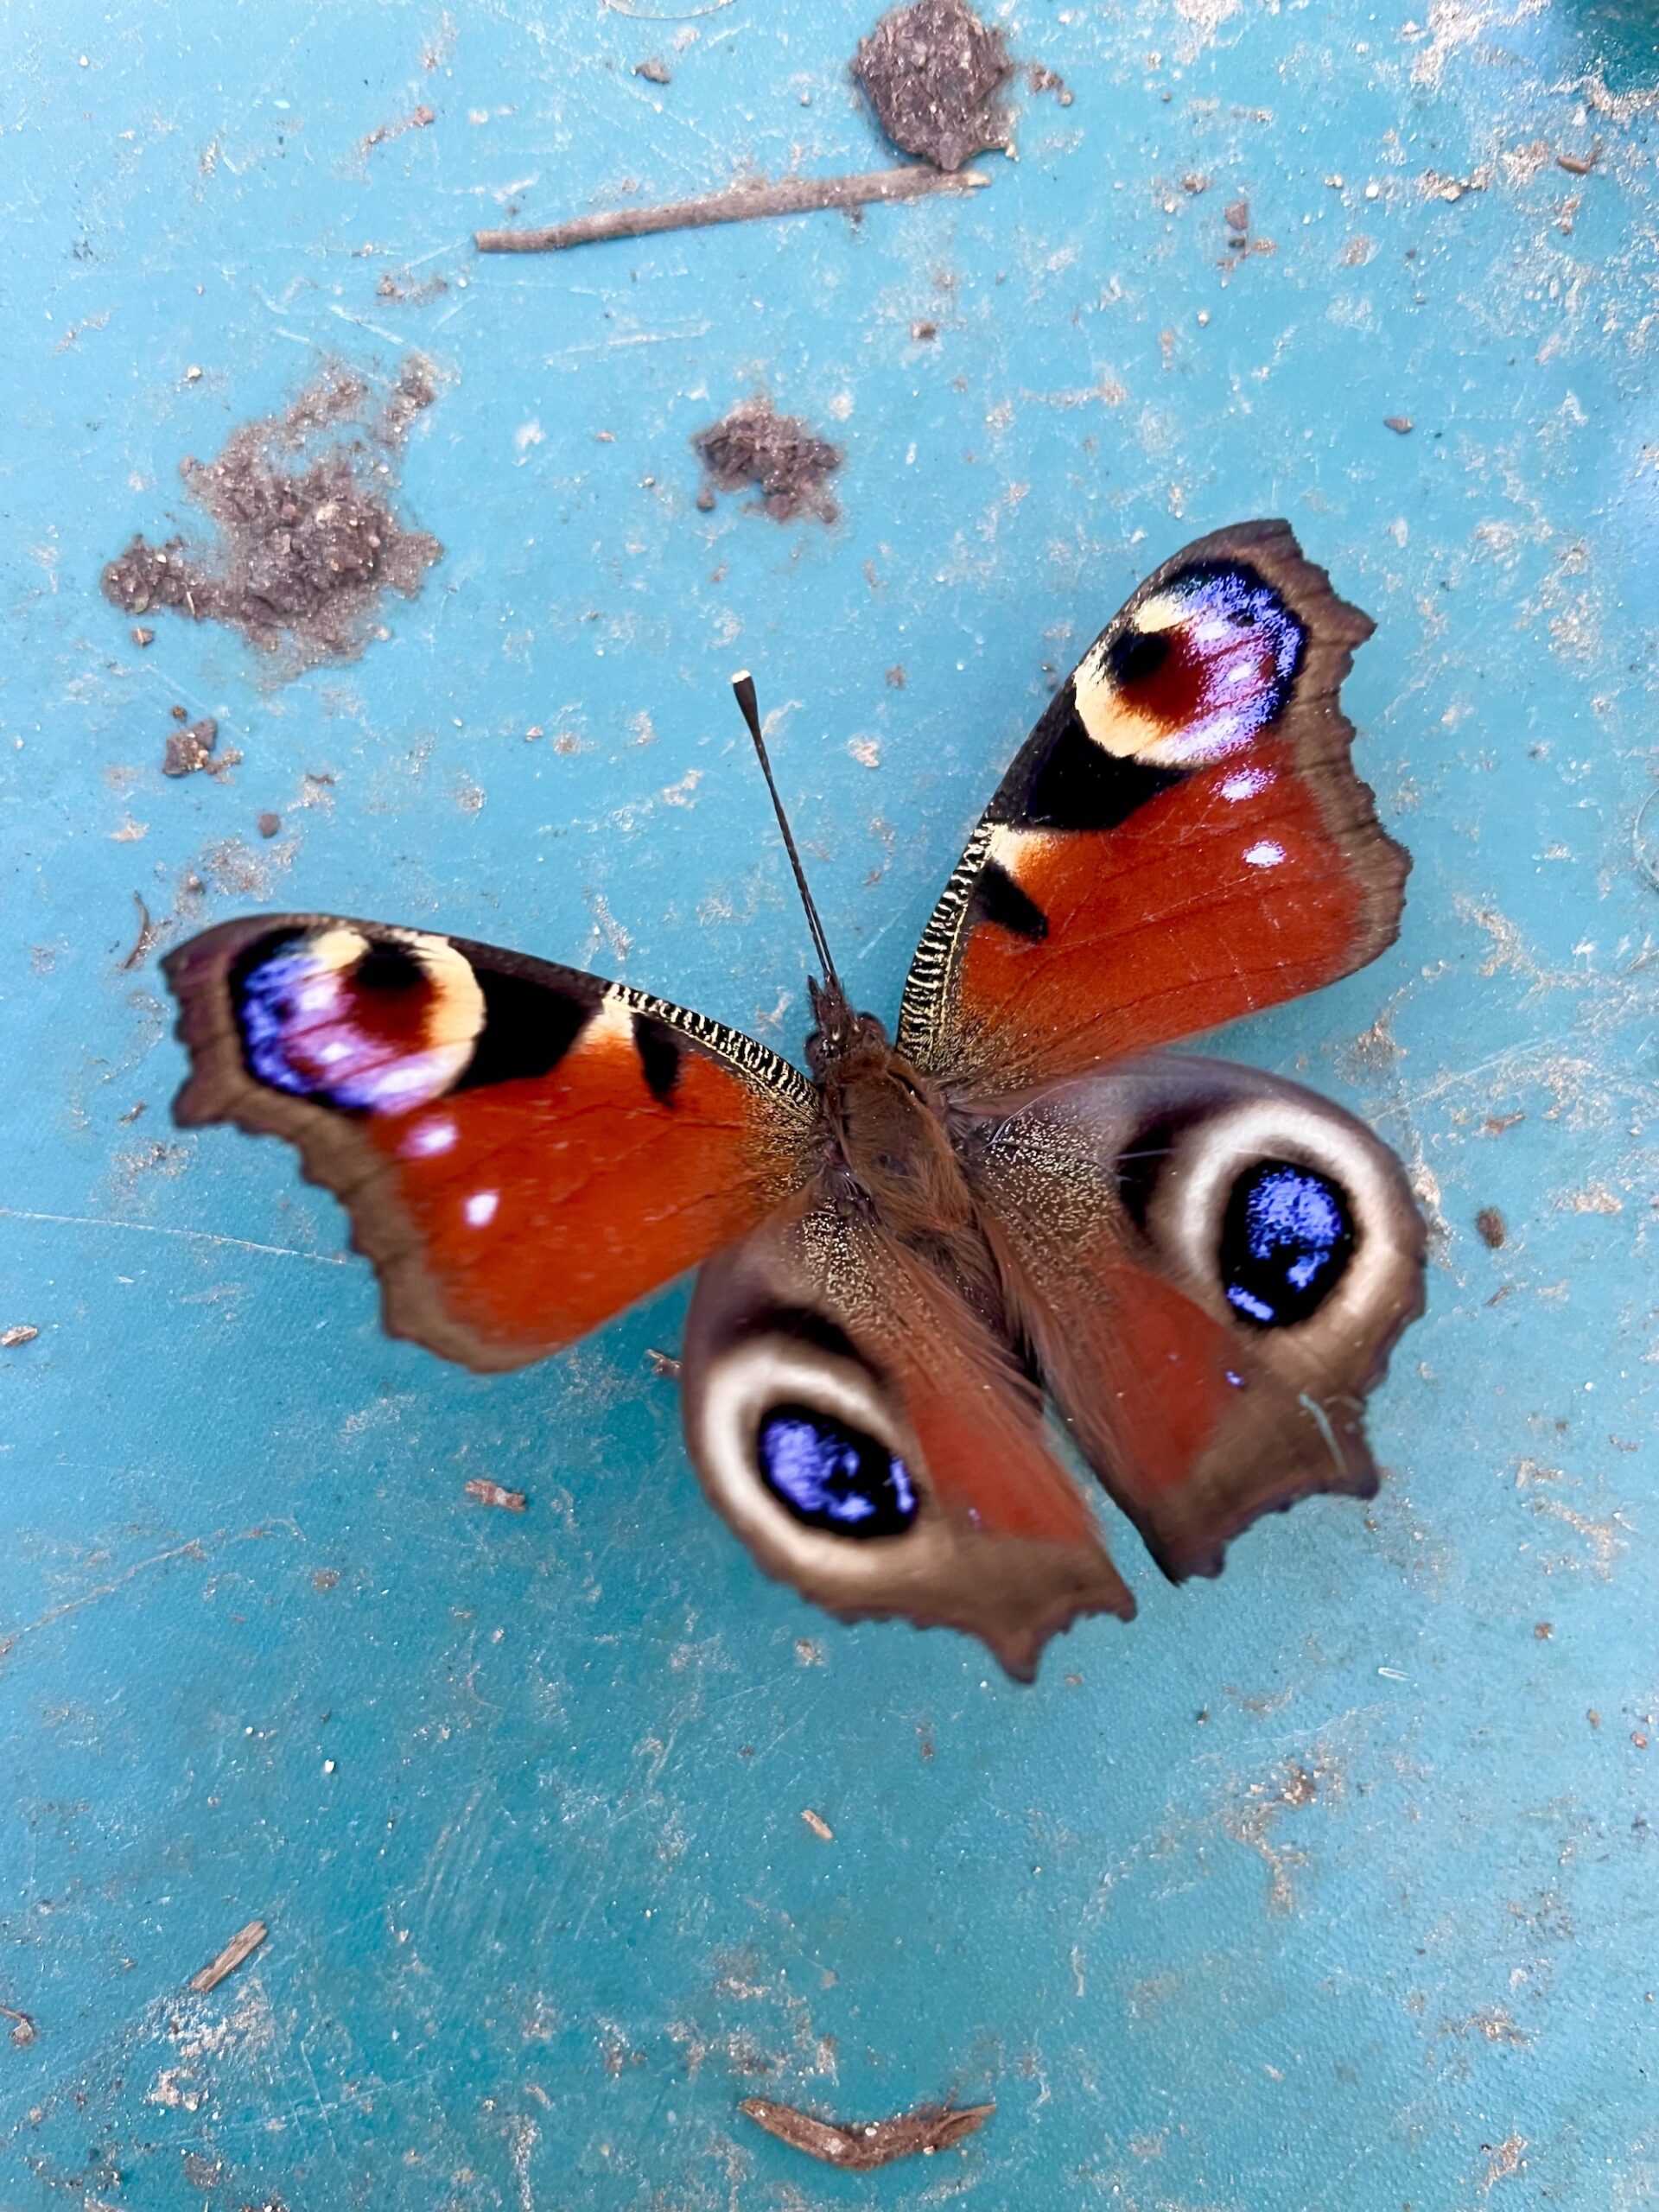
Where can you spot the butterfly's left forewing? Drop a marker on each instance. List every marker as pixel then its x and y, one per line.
pixel 523 1149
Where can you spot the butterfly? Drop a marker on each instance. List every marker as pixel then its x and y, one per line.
pixel 1020 1202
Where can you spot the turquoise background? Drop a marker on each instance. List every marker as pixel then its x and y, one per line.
pixel 1329 1885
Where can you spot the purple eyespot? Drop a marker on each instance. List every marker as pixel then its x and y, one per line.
pixel 831 1476
pixel 1286 1243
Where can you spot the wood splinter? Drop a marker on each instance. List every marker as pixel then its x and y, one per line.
pixel 241 1948
pixel 743 203
pixel 864 2145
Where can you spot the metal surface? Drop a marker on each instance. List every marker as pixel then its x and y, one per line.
pixel 1331 1885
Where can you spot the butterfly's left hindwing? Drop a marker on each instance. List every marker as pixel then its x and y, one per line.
pixel 523 1149
pixel 876 1444
pixel 1213 1267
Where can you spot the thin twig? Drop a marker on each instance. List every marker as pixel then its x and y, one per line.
pixel 744 203
pixel 861 2146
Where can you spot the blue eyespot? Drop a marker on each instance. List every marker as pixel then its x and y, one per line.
pixel 1286 1241
pixel 833 1476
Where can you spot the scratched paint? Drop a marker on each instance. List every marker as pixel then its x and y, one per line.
pixel 1327 1884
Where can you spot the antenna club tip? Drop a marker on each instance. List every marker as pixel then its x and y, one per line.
pixel 740 676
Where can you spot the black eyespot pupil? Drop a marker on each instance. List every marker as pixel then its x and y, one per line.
pixel 1286 1241
pixel 829 1475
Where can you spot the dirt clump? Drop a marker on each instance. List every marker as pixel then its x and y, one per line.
pixel 308 540
pixel 933 72
pixel 784 456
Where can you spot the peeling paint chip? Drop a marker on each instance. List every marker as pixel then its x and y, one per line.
pixel 20 1332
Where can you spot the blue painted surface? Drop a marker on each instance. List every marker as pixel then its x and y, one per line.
pixel 1330 1885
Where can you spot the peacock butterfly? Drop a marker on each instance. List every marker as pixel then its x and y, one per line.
pixel 1201 1268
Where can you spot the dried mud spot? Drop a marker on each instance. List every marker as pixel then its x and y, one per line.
pixel 308 541
pixel 934 73
pixel 780 454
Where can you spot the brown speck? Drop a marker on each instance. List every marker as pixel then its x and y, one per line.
pixel 1594 1718
pixel 1506 2159
pixel 663 1363
pixel 419 118
pixel 1041 79
pixel 896 676
pixel 141 636
pixel 933 72
pixel 1491 1229
pixel 269 823
pixel 1579 164
pixel 791 463
pixel 1400 424
pixel 865 2145
pixel 1543 1630
pixel 653 72
pixel 1638 1740
pixel 1194 183
pixel 1236 216
pixel 1495 1124
pixel 489 1493
pixel 241 1947
pixel 20 1332
pixel 325 1579
pixel 924 333
pixel 819 1825
pixel 24 2031
pixel 191 749
pixel 307 541
pixel 180 714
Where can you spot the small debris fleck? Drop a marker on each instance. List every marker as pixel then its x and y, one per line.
pixel 662 1364
pixel 1236 216
pixel 269 823
pixel 1579 164
pixel 144 940
pixel 191 749
pixel 819 1825
pixel 653 72
pixel 1491 1229
pixel 489 1493
pixel 20 1332
pixel 1194 183
pixel 924 333
pixel 864 2145
pixel 782 455
pixel 241 1948
pixel 1400 424
pixel 1041 79
pixel 142 636
pixel 933 72
pixel 896 677
pixel 24 2031
pixel 420 118
pixel 1543 1630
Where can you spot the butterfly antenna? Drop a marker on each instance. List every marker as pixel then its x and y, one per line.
pixel 743 685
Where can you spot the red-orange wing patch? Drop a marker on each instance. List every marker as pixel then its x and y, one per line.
pixel 1182 839
pixel 523 1149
